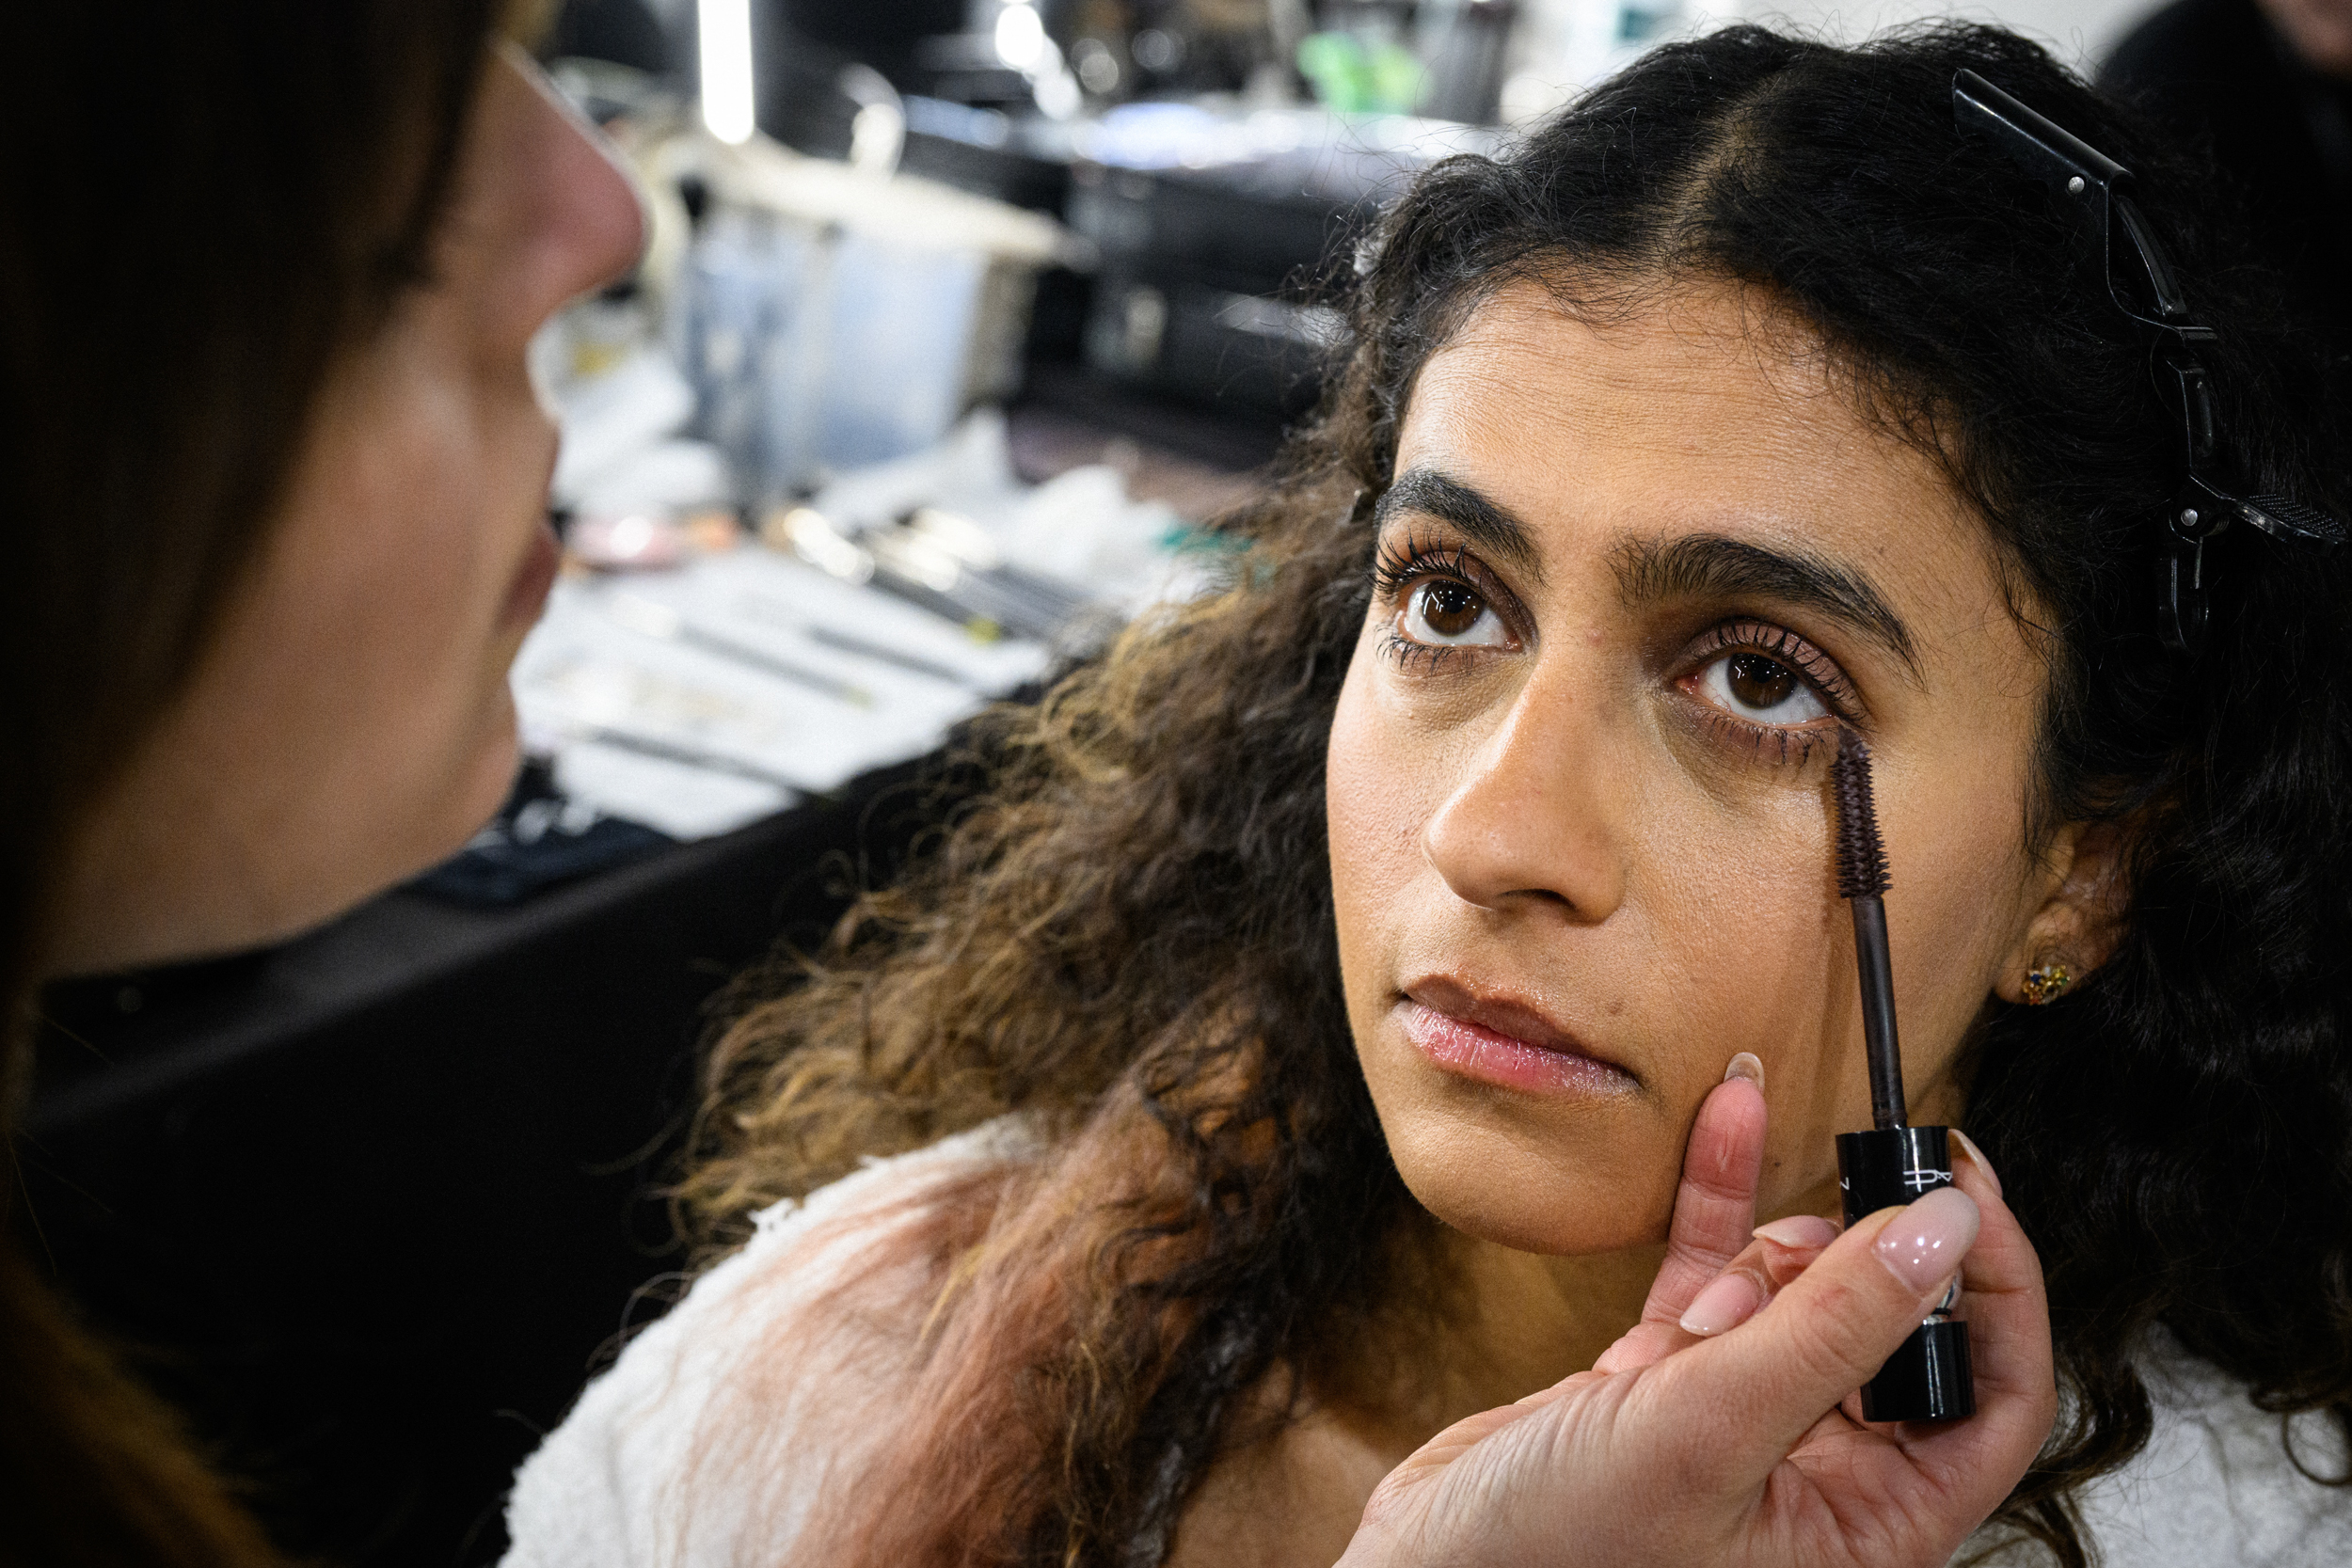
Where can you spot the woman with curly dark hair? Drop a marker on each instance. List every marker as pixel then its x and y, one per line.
pixel 1308 1040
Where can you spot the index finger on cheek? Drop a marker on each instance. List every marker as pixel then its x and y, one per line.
pixel 1715 1205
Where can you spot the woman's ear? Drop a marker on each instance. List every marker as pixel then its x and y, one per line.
pixel 2081 916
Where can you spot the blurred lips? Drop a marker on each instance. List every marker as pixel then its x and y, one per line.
pixel 1502 1041
pixel 543 558
pixel 528 595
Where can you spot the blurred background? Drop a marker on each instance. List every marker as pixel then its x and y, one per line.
pixel 960 318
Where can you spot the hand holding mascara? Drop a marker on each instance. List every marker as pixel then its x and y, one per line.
pixel 1929 1379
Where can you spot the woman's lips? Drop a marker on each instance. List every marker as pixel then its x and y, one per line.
pixel 1475 1048
pixel 528 595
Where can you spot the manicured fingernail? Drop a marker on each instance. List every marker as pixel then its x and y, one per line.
pixel 1725 1304
pixel 1968 1146
pixel 1798 1231
pixel 1922 1246
pixel 1745 1066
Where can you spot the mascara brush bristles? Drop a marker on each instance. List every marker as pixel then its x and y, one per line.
pixel 1861 855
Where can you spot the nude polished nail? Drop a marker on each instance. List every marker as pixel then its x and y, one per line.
pixel 1798 1231
pixel 1923 1244
pixel 1725 1304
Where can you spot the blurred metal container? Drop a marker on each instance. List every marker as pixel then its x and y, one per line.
pixel 831 316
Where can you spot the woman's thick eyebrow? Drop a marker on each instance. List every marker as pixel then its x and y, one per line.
pixel 1485 522
pixel 1711 565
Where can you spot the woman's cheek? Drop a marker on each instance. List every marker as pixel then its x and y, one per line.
pixel 1385 773
pixel 1742 948
pixel 1367 816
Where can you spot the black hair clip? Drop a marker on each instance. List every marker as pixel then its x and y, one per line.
pixel 2096 191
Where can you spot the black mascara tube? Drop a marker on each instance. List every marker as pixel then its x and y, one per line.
pixel 1928 1378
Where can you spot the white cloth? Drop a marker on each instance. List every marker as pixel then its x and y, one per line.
pixel 710 1441
pixel 693 1453
pixel 2214 1488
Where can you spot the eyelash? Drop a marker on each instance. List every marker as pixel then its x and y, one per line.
pixel 1397 568
pixel 1745 634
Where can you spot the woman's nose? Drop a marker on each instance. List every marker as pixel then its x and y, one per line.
pixel 545 193
pixel 1532 824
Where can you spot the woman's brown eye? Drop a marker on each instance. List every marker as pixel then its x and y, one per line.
pixel 1758 682
pixel 1450 609
pixel 1760 688
pixel 1445 613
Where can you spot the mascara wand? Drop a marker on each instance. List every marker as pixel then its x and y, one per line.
pixel 1862 879
pixel 1928 1378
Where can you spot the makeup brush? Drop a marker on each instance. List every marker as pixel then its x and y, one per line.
pixel 1929 1379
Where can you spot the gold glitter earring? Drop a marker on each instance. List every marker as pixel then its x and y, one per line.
pixel 2047 982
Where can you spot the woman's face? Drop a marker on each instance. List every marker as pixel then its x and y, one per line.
pixel 351 723
pixel 1631 579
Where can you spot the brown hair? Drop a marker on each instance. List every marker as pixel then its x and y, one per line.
pixel 203 207
pixel 1130 936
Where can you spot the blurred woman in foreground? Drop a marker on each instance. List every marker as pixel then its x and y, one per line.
pixel 274 481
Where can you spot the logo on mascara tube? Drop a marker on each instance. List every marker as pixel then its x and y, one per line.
pixel 1923 1179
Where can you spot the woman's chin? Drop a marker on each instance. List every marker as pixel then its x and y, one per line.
pixel 343 873
pixel 497 758
pixel 1558 1202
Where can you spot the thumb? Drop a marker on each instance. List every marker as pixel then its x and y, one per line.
pixel 1829 1332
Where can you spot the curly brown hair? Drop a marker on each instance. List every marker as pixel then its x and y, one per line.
pixel 1129 936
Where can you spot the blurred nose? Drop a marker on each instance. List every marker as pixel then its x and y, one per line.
pixel 1533 827
pixel 546 196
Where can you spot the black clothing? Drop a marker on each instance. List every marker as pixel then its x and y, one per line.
pixel 2216 74
pixel 622 31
